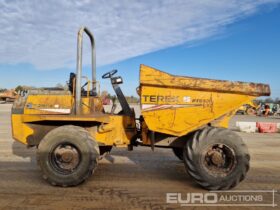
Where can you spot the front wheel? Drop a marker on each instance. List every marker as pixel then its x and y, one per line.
pixel 67 156
pixel 216 158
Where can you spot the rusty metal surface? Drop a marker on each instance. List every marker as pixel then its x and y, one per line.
pixel 153 77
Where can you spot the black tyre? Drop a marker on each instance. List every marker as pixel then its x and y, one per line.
pixel 216 158
pixel 178 152
pixel 67 156
pixel 103 150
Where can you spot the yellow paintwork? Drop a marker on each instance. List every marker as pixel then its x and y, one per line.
pixel 242 108
pixel 42 102
pixel 86 118
pixel 180 121
pixel 178 105
pixel 45 108
pixel 122 128
pixel 119 131
pixel 20 130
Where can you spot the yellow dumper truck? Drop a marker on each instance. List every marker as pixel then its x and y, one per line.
pixel 190 115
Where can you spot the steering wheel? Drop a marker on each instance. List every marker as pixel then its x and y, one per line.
pixel 109 74
pixel 84 84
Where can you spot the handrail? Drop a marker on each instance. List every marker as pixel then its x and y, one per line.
pixel 79 66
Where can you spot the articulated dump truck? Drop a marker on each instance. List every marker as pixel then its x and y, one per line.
pixel 72 131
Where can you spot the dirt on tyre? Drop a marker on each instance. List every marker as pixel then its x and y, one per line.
pixel 216 158
pixel 67 156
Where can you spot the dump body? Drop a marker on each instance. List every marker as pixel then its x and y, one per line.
pixel 177 105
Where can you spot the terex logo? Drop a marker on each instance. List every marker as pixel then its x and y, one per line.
pixel 191 198
pixel 159 98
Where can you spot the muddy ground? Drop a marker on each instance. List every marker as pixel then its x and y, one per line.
pixel 125 180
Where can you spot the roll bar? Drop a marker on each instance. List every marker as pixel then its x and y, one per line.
pixel 79 66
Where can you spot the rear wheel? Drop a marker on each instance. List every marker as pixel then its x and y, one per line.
pixel 67 156
pixel 216 158
pixel 178 152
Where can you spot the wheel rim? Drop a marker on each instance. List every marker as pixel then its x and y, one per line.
pixel 65 158
pixel 219 160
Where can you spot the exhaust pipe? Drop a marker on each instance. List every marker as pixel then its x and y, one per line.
pixel 78 103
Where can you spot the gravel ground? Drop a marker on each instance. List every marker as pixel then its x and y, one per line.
pixel 136 179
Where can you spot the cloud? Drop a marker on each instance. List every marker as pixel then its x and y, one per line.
pixel 43 33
